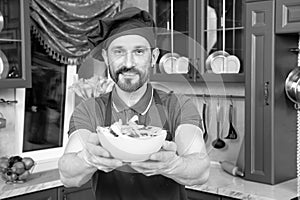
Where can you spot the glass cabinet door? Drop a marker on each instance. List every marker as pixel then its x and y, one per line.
pixel 223 31
pixel 14 43
pixel 174 34
pixel 199 40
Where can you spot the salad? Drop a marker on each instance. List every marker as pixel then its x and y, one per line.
pixel 131 129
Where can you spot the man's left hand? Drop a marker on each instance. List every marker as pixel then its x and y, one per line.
pixel 162 162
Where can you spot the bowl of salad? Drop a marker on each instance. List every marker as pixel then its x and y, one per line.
pixel 131 142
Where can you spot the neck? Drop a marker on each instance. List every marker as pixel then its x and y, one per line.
pixel 131 98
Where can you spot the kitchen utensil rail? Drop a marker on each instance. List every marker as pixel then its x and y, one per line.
pixel 217 96
pixel 8 101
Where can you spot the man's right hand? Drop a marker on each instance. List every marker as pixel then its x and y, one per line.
pixel 95 155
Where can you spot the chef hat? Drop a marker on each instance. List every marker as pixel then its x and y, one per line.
pixel 130 21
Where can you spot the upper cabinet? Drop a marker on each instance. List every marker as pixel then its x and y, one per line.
pixel 199 40
pixel 14 44
pixel 288 16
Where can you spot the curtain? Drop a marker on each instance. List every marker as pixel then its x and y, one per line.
pixel 61 26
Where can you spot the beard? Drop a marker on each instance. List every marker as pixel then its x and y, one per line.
pixel 128 84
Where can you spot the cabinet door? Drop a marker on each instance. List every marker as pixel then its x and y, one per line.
pixel 14 44
pixel 222 36
pixel 259 61
pixel 270 121
pixel 196 195
pixel 42 195
pixel 287 16
pixel 194 30
pixel 175 22
pixel 83 192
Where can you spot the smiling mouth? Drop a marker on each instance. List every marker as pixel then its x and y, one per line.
pixel 128 74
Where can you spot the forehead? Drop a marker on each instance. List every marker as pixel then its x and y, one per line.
pixel 129 42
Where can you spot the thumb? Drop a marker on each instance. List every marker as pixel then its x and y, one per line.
pixel 169 146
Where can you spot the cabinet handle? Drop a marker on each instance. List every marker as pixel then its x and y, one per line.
pixel 266 93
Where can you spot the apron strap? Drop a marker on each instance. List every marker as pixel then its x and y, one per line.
pixel 108 112
pixel 162 115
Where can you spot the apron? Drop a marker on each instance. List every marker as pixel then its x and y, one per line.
pixel 120 185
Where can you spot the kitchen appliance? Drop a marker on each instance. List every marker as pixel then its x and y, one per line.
pixel 292 89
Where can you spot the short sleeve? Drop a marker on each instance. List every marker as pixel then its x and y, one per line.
pixel 188 112
pixel 182 110
pixel 87 115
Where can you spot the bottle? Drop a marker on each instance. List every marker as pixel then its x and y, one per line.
pixel 231 168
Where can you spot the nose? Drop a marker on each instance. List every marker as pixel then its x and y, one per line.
pixel 129 60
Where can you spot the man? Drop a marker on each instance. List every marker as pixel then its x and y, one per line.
pixel 129 52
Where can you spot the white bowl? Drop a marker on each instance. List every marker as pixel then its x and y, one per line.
pixel 130 149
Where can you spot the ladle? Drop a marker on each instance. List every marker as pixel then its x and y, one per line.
pixel 205 135
pixel 231 132
pixel 218 143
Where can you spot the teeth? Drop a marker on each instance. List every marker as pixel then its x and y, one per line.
pixel 128 73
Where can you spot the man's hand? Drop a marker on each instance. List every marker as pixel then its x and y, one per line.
pixel 162 162
pixel 95 155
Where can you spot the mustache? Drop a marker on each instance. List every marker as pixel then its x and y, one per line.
pixel 126 69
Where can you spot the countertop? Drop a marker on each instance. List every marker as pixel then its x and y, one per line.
pixel 219 183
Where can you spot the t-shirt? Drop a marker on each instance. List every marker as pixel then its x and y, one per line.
pixel 125 184
pixel 179 109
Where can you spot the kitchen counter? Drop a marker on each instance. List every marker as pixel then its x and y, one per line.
pixel 219 183
pixel 222 183
pixel 36 182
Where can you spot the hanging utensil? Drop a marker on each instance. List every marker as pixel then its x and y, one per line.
pixel 218 143
pixel 205 134
pixel 231 132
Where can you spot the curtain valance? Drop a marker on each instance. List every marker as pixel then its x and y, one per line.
pixel 61 25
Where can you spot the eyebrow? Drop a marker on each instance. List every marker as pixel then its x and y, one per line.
pixel 136 47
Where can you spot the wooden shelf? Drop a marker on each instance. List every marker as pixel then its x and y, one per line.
pixel 207 77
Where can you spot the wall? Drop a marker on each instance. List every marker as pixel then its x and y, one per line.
pixel 8 138
pixel 136 3
pixel 233 148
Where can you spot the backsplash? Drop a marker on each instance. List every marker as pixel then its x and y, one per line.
pixel 234 149
pixel 9 140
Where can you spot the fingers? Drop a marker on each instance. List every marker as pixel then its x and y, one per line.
pixel 105 164
pixel 163 156
pixel 97 150
pixel 169 146
pixel 93 139
pixel 168 152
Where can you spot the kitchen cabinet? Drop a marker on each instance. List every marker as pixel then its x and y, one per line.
pixel 270 118
pixel 50 194
pixel 83 192
pixel 287 16
pixel 194 30
pixel 14 44
pixel 60 193
pixel 197 195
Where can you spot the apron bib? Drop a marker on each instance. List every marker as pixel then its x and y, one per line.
pixel 120 185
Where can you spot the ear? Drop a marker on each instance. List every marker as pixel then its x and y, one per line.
pixel 104 55
pixel 155 54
